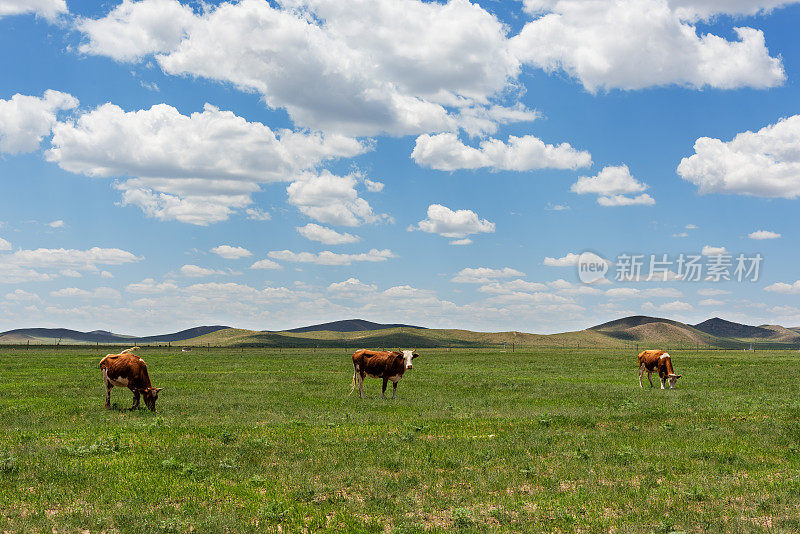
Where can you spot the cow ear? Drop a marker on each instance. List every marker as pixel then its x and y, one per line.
pixel 414 355
pixel 158 389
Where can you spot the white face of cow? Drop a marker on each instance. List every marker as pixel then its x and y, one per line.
pixel 409 355
pixel 672 380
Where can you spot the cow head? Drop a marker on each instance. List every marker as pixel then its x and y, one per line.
pixel 672 378
pixel 150 396
pixel 409 355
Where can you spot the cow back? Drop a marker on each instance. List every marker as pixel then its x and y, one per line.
pixel 379 363
pixel 127 366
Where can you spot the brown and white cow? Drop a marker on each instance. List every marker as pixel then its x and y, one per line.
pixel 128 370
pixel 651 361
pixel 381 364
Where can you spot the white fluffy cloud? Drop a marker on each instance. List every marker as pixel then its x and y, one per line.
pixel 763 234
pixel 709 250
pixel 613 185
pixel 4 245
pixel 25 120
pixel 104 293
pixel 45 264
pixel 352 287
pixel 328 236
pixel 149 286
pixel 783 287
pixel 133 30
pixel 570 260
pixel 446 152
pixel 265 264
pixel 705 9
pixel 231 253
pixel 765 163
pixel 633 44
pixel 327 257
pixel 195 271
pixel 196 169
pixel 330 199
pixel 60 258
pixel 484 275
pixel 455 224
pixel 396 66
pixel 48 9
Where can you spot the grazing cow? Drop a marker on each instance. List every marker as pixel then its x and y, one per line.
pixel 128 370
pixel 651 361
pixel 380 364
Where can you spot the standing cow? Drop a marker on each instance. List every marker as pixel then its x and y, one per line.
pixel 126 369
pixel 651 361
pixel 381 364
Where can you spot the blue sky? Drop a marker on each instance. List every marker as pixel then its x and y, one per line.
pixel 271 165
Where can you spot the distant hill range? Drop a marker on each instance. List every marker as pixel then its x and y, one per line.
pixel 67 336
pixel 635 331
pixel 350 325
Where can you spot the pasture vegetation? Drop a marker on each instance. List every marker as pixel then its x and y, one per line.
pixel 539 440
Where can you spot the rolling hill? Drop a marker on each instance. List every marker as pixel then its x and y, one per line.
pixel 71 337
pixel 349 325
pixel 635 331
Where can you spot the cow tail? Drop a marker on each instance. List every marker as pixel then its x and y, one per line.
pixel 352 389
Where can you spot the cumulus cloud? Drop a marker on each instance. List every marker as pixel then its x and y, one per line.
pixel 570 260
pixel 57 224
pixel 4 245
pixel 265 264
pixel 455 224
pixel 394 66
pixel 633 44
pixel 196 168
pixel 105 293
pixel 133 30
pixel 765 163
pixel 327 257
pixel 352 287
pixel 195 271
pixel 149 286
pixel 255 214
pixel 709 292
pixel 763 234
pixel 331 199
pixel 328 236
pixel 612 185
pixel 60 258
pixel 502 287
pixel 231 253
pixel 484 275
pixel 711 302
pixel 632 292
pixel 783 287
pixel 48 9
pixel 26 120
pixel 708 250
pixel 446 152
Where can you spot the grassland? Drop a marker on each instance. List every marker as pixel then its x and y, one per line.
pixel 541 440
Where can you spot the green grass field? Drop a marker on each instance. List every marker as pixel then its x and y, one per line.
pixel 259 441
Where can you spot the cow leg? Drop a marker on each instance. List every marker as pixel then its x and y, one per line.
pixel 650 379
pixel 663 381
pixel 135 400
pixel 361 385
pixel 394 390
pixel 109 387
pixel 641 372
pixel 383 389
